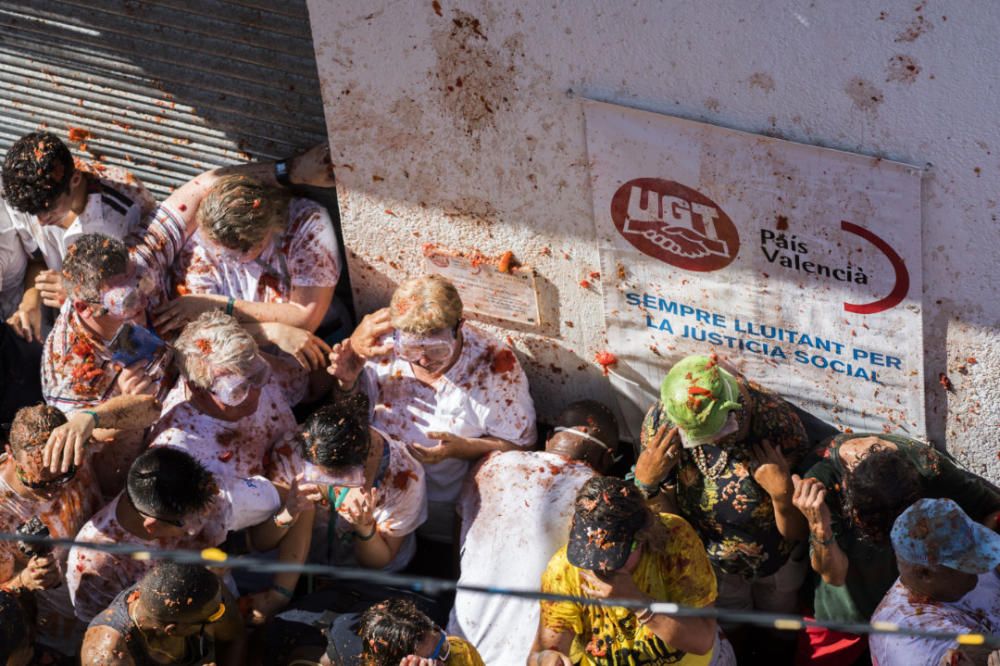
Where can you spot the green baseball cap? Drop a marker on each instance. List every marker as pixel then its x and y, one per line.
pixel 698 396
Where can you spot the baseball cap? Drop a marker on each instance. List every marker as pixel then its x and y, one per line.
pixel 936 532
pixel 698 396
pixel 597 544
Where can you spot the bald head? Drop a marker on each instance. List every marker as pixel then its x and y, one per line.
pixel 587 431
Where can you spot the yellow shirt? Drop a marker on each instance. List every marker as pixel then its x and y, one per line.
pixel 680 574
pixel 462 653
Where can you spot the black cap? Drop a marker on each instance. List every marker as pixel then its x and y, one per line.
pixel 602 545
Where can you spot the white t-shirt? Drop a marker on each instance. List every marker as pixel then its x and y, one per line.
pixel 94 578
pixel 485 393
pixel 516 512
pixel 306 255
pixel 117 205
pixel 976 612
pixel 400 508
pixel 13 263
pixel 256 445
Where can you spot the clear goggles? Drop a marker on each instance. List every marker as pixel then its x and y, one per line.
pixel 347 477
pixel 232 390
pixel 438 346
pixel 130 294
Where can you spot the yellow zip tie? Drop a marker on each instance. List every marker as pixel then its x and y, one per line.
pixel 142 555
pixel 213 554
pixel 970 639
pixel 886 626
pixel 793 625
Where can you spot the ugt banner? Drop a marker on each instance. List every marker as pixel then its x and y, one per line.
pixel 799 265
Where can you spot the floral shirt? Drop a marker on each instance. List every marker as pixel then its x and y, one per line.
pixel 716 490
pixel 680 574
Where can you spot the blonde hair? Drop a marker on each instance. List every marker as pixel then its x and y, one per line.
pixel 238 212
pixel 425 304
pixel 214 341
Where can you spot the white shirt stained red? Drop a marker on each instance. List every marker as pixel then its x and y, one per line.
pixel 94 578
pixel 400 508
pixel 484 394
pixel 306 255
pixel 256 445
pixel 519 503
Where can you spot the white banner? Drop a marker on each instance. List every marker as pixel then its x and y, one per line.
pixel 800 265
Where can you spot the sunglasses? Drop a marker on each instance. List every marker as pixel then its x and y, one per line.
pixel 413 348
pixel 54 482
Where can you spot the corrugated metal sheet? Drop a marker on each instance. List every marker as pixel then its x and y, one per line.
pixel 167 88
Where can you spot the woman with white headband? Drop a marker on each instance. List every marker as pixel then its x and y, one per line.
pixel 445 388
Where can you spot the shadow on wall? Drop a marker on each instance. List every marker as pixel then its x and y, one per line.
pixel 166 89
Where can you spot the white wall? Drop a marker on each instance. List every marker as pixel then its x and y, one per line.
pixel 458 122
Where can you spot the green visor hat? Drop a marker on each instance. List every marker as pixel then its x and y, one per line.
pixel 699 396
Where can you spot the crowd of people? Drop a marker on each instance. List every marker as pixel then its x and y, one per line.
pixel 180 375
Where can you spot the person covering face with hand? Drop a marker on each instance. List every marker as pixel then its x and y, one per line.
pixel 57 503
pixel 438 384
pixel 619 549
pixel 851 507
pixel 719 449
pixel 371 490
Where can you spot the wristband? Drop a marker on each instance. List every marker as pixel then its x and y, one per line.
pixel 283 591
pixel 646 490
pixel 282 173
pixel 229 305
pixel 97 420
pixel 370 536
pixel 819 542
pixel 644 616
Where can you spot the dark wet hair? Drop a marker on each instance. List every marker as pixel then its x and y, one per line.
pixel 32 425
pixel 171 590
pixel 91 260
pixel 336 435
pixel 13 626
pixel 598 418
pixel 878 489
pixel 36 172
pixel 168 482
pixel 391 630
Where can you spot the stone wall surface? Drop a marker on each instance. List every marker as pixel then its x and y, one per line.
pixel 458 122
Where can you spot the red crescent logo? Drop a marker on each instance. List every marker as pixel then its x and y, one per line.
pixel 902 287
